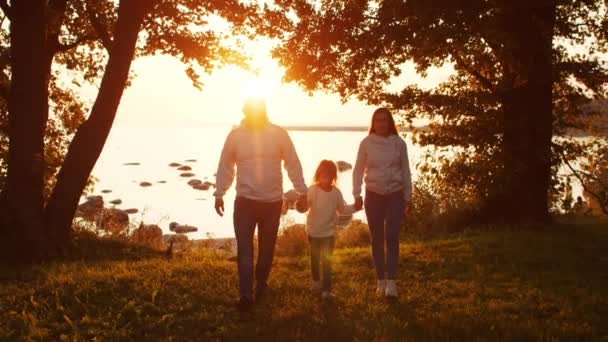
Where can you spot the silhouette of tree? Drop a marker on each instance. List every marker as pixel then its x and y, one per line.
pixel 50 138
pixel 517 82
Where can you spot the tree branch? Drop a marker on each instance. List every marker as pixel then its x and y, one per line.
pixel 55 16
pixel 99 28
pixel 5 58
pixel 8 12
pixel 77 42
pixel 5 86
pixel 482 79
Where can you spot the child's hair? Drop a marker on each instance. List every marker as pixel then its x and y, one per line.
pixel 328 167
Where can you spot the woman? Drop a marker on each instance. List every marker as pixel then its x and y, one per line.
pixel 382 158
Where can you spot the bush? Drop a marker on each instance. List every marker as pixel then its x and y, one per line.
pixel 595 177
pixel 437 209
pixel 355 234
pixel 142 235
pixel 292 241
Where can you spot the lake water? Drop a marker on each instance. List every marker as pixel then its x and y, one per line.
pixel 154 148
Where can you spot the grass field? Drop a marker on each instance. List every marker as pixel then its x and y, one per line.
pixel 501 284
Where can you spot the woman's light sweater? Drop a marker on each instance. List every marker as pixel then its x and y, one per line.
pixel 382 162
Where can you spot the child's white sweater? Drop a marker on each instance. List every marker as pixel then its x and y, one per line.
pixel 324 207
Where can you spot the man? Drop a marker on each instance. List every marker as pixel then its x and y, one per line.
pixel 257 148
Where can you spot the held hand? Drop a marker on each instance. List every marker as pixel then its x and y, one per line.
pixel 302 204
pixel 358 203
pixel 219 206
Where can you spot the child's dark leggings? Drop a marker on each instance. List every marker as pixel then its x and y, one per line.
pixel 321 250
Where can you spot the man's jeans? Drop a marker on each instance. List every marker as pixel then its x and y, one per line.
pixel 384 216
pixel 247 215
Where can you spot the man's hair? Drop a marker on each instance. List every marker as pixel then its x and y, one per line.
pixel 254 104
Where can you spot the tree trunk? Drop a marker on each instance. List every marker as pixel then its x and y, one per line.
pixel 22 207
pixel 528 107
pixel 90 138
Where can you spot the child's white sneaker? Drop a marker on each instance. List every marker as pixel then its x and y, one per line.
pixel 381 288
pixel 391 289
pixel 327 295
pixel 316 286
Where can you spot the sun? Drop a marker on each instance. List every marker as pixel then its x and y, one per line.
pixel 262 88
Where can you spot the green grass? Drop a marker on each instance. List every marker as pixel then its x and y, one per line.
pixel 481 285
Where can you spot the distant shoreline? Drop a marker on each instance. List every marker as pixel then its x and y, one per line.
pixel 426 128
pixel 342 128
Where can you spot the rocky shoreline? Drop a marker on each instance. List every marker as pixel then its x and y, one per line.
pixel 106 218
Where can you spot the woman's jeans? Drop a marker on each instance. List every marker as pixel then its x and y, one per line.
pixel 384 216
pixel 321 250
pixel 247 215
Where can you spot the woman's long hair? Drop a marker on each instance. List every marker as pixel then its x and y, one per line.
pixel 328 167
pixel 392 128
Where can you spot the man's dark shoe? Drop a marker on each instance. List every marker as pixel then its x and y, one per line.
pixel 245 304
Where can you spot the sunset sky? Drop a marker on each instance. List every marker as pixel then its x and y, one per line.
pixel 162 94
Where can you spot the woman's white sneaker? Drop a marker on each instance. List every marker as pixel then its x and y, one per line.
pixel 381 287
pixel 391 289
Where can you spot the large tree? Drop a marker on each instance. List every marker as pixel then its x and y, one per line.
pixel 517 81
pixel 52 147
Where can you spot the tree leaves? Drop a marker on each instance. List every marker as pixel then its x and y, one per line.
pixel 354 50
pixel 84 33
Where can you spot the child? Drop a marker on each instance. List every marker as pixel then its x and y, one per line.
pixel 325 201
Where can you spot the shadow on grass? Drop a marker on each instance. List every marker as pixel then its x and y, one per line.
pixel 494 285
pixel 91 249
pixel 86 248
pixel 539 283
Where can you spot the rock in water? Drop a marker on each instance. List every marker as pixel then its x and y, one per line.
pixel 89 209
pixel 203 186
pixel 116 201
pixel 343 166
pixel 184 168
pixel 187 174
pixel 176 242
pixel 194 182
pixel 175 164
pixel 113 220
pixel 148 235
pixel 145 184
pixel 97 199
pixel 183 229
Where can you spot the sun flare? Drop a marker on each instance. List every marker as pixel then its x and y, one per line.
pixel 258 88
